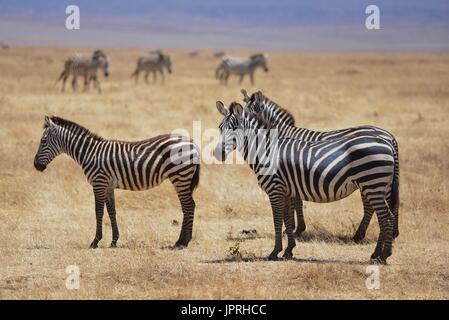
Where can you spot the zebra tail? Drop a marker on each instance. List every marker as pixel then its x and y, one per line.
pixel 60 77
pixel 394 199
pixel 218 70
pixel 195 179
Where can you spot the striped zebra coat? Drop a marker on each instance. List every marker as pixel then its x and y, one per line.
pixel 155 63
pixel 112 164
pixel 320 171
pixel 85 66
pixel 240 66
pixel 259 104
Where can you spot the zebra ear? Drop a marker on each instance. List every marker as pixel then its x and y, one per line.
pixel 258 97
pixel 246 97
pixel 48 122
pixel 237 109
pixel 221 108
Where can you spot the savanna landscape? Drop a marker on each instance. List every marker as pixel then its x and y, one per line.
pixel 47 219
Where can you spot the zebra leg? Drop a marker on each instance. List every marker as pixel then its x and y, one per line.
pixel 64 79
pixel 188 210
pixel 277 202
pixel 146 76
pixel 367 214
pixel 110 205
pixel 288 221
pixel 251 76
pixel 136 76
pixel 97 84
pixel 86 83
pixel 241 78
pixel 300 217
pixel 100 198
pixel 226 77
pixel 385 242
pixel 154 76
pixel 74 84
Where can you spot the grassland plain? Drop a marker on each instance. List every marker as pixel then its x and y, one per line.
pixel 47 219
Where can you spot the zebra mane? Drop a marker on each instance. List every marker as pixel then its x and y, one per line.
pixel 262 122
pixel 257 55
pixel 259 96
pixel 72 125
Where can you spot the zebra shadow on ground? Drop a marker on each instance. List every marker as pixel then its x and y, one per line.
pixel 250 259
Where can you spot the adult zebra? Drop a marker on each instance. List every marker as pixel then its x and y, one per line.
pixel 320 171
pixel 85 66
pixel 154 63
pixel 112 164
pixel 259 104
pixel 240 66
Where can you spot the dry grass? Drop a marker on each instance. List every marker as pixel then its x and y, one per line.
pixel 47 220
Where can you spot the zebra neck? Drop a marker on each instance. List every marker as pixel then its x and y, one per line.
pixel 257 148
pixel 80 147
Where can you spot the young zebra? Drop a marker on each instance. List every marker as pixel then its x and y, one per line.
pixel 155 62
pixel 320 171
pixel 240 66
pixel 87 67
pixel 112 164
pixel 257 103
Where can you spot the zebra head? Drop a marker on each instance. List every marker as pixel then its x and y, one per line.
pixel 231 133
pixel 102 61
pixel 49 147
pixel 167 63
pixel 260 60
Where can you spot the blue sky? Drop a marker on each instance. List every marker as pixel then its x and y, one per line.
pixel 275 24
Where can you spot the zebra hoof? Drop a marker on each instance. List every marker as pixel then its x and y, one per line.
pixel 287 255
pixel 272 258
pixel 378 261
pixel 113 245
pixel 180 246
pixel 358 239
pixel 93 245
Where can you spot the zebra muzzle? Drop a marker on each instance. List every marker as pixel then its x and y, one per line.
pixel 39 166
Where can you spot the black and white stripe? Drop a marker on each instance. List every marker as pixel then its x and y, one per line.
pixel 321 171
pixel 85 66
pixel 240 67
pixel 112 164
pixel 155 62
pixel 259 104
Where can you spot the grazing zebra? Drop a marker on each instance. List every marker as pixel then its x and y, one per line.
pixel 259 104
pixel 155 62
pixel 240 66
pixel 85 66
pixel 112 164
pixel 320 171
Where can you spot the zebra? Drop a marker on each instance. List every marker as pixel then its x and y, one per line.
pixel 240 66
pixel 85 66
pixel 319 171
pixel 113 164
pixel 155 62
pixel 284 121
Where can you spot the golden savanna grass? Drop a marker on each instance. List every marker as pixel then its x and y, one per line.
pixel 47 220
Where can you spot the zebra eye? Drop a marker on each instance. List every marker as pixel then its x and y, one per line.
pixel 44 140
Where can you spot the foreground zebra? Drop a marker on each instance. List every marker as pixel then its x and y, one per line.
pixel 154 63
pixel 320 171
pixel 85 66
pixel 112 164
pixel 259 104
pixel 240 66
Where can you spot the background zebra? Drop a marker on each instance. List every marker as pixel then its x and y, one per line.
pixel 155 62
pixel 87 67
pixel 320 171
pixel 240 66
pixel 284 121
pixel 111 164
